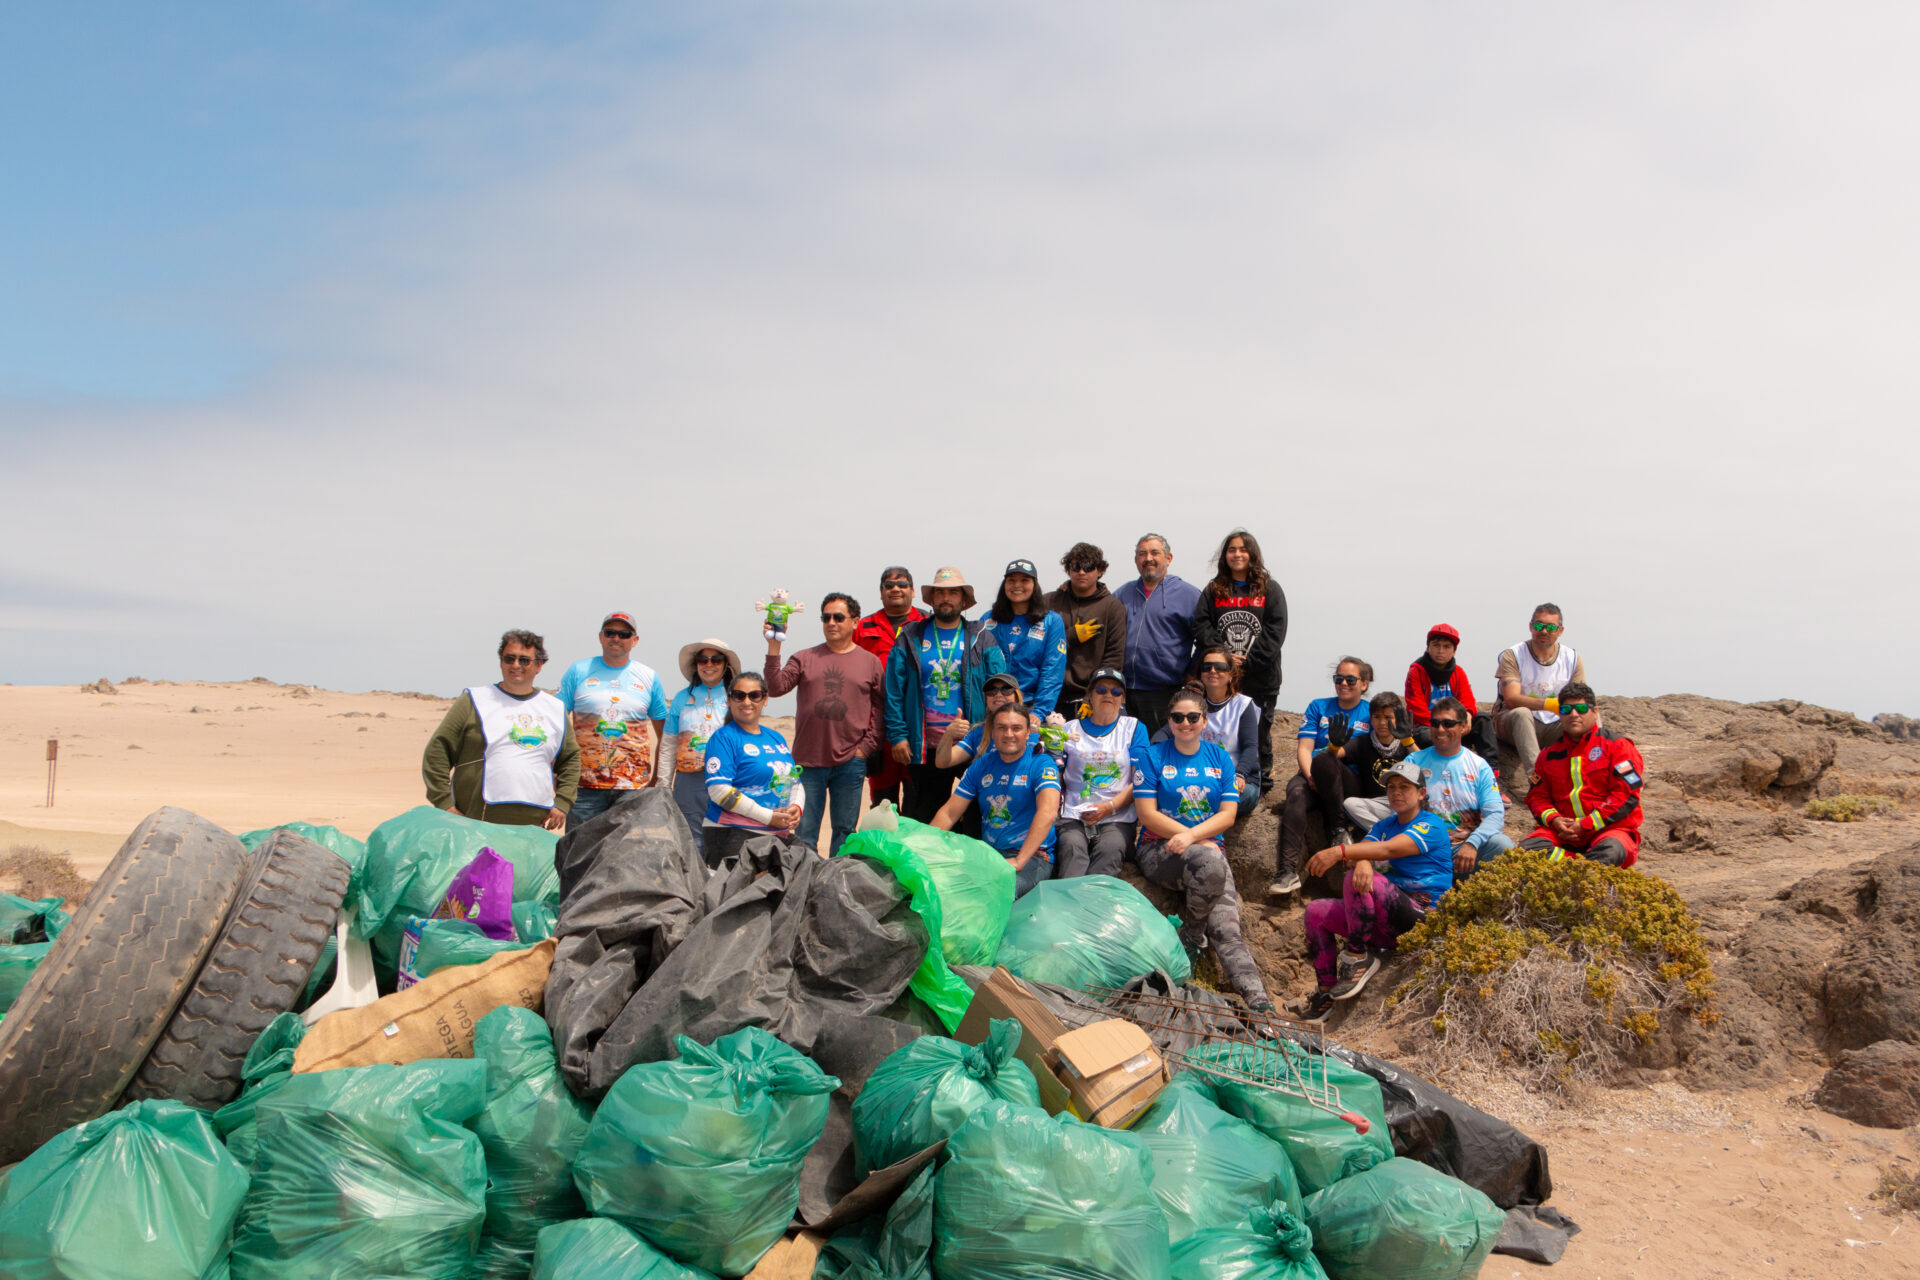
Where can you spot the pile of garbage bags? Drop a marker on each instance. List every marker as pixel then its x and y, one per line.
pixel 27 930
pixel 723 1056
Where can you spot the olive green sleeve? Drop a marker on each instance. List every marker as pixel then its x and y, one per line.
pixel 566 770
pixel 443 750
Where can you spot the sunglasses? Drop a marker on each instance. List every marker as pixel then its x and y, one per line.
pixel 1575 708
pixel 1216 666
pixel 896 584
pixel 618 635
pixel 1546 628
pixel 517 660
pixel 1108 691
pixel 1448 724
pixel 835 617
pixel 1185 717
pixel 1084 566
pixel 710 660
pixel 1346 679
pixel 747 695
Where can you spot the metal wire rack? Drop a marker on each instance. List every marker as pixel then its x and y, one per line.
pixel 1229 1043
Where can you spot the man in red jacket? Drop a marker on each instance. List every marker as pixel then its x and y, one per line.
pixel 1586 787
pixel 876 634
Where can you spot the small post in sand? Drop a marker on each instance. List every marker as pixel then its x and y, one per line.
pixel 53 763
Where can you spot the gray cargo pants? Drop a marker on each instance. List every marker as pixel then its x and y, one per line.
pixel 1527 735
pixel 1213 905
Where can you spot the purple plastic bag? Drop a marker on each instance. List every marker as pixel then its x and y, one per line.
pixel 483 894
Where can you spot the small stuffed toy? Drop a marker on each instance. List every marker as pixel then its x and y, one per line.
pixel 1053 734
pixel 778 607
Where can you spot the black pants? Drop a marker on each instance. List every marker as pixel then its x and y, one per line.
pixel 1336 781
pixel 1149 707
pixel 929 787
pixel 1265 701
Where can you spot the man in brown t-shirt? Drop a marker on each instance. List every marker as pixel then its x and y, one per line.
pixel 837 722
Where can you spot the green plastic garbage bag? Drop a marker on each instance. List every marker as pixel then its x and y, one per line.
pixel 1402 1220
pixel 28 927
pixel 268 1065
pixel 145 1193
pixel 531 1130
pixel 534 921
pixel 701 1154
pixel 412 859
pixel 927 1088
pixel 428 946
pixel 1027 1195
pixel 938 986
pixel 352 852
pixel 976 889
pixel 1323 1147
pixel 1209 1167
pixel 898 1246
pixel 602 1249
pixel 1090 931
pixel 367 1171
pixel 1271 1243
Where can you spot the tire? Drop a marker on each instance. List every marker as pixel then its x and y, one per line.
pixel 257 971
pixel 112 979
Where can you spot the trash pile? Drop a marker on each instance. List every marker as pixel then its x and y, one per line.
pixel 461 1050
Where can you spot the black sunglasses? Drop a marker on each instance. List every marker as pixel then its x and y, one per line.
pixel 1186 717
pixel 747 695
pixel 618 635
pixel 1216 666
pixel 1084 566
pixel 710 660
pixel 897 584
pixel 1448 724
pixel 835 617
pixel 517 660
pixel 1346 679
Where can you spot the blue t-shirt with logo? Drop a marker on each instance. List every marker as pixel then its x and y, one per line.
pixel 1322 710
pixel 1431 869
pixel 757 765
pixel 1006 793
pixel 1188 789
pixel 1035 652
pixel 941 653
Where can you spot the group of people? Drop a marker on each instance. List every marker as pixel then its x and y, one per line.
pixel 1073 730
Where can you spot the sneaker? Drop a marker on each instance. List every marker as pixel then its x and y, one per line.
pixel 1355 969
pixel 1284 885
pixel 1319 1005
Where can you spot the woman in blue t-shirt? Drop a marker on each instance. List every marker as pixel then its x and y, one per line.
pixel 753 785
pixel 1184 794
pixel 693 717
pixel 1345 714
pixel 1033 637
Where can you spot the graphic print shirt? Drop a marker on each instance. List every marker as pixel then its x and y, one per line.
pixel 941 652
pixel 1006 793
pixel 1188 789
pixel 696 713
pixel 610 708
pixel 758 765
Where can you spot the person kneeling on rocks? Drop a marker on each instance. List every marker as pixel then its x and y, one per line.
pixel 1376 906
pixel 1586 787
pixel 1184 794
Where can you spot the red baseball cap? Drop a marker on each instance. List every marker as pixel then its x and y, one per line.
pixel 619 617
pixel 1444 631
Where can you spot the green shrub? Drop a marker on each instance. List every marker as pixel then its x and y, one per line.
pixel 1847 807
pixel 1555 971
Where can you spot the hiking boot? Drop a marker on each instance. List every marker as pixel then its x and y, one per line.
pixel 1195 943
pixel 1284 885
pixel 1355 968
pixel 1319 1005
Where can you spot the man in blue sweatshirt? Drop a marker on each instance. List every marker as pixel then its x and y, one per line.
pixel 1160 610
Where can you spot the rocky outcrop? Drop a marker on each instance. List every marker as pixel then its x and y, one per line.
pixel 1878 1085
pixel 1900 727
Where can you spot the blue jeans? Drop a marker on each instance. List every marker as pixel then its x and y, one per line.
pixel 1497 843
pixel 1039 867
pixel 590 802
pixel 844 783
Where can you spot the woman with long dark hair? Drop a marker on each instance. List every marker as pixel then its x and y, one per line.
pixel 1234 722
pixel 1245 610
pixel 693 717
pixel 753 786
pixel 1033 636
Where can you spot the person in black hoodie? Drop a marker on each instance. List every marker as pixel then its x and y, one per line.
pixel 1245 610
pixel 1096 625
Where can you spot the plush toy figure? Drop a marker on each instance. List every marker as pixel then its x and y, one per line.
pixel 778 607
pixel 1053 734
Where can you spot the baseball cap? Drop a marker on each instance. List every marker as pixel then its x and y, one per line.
pixel 1002 677
pixel 1021 566
pixel 619 617
pixel 1444 631
pixel 1407 770
pixel 1107 673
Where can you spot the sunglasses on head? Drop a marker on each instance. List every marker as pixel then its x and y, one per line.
pixel 1546 628
pixel 746 695
pixel 1448 724
pixel 1575 708
pixel 1346 679
pixel 517 660
pixel 1185 717
pixel 710 660
pixel 617 635
pixel 834 617
pixel 1216 666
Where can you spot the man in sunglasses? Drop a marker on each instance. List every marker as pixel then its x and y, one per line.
pixel 505 752
pixel 1528 677
pixel 837 721
pixel 876 634
pixel 1096 624
pixel 1586 787
pixel 1462 789
pixel 619 710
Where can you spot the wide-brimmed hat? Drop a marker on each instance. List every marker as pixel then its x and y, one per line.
pixel 945 577
pixel 688 652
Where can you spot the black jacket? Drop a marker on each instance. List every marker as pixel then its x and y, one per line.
pixel 1254 625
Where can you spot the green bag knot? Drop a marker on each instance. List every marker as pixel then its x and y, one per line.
pixel 983 1061
pixel 1292 1236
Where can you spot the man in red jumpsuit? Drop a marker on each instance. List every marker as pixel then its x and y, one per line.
pixel 1586 787
pixel 876 634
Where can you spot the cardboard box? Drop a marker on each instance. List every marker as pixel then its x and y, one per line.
pixel 433 1018
pixel 1106 1073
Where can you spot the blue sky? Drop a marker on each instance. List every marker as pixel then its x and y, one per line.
pixel 335 339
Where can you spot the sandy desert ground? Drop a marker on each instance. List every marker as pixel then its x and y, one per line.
pixel 1665 1182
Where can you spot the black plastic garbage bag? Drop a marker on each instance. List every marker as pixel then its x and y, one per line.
pixel 788 937
pixel 895 1246
pixel 631 887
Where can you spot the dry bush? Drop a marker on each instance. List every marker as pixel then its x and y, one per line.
pixel 1554 973
pixel 29 871
pixel 1898 1190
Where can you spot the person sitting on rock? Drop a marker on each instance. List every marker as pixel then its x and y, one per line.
pixel 1527 676
pixel 1375 907
pixel 1435 675
pixel 1018 793
pixel 1463 789
pixel 1586 787
pixel 1355 764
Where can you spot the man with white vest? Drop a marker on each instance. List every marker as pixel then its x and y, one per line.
pixel 1529 677
pixel 505 752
